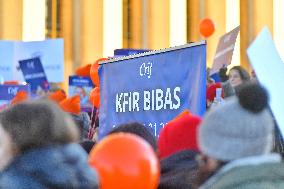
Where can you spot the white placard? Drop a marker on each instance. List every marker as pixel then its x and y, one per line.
pixel 269 69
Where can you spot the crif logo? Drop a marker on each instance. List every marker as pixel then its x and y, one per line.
pixel 13 90
pixel 146 69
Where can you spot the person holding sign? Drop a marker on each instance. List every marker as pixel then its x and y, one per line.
pixel 236 141
pixel 238 76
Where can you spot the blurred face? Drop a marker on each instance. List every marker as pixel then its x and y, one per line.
pixel 235 78
pixel 6 148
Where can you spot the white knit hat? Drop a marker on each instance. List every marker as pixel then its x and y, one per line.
pixel 240 127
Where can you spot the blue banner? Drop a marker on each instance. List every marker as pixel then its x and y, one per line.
pixel 81 86
pixel 153 88
pixel 8 92
pixel 127 52
pixel 34 74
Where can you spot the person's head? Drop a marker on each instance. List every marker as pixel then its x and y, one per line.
pixel 37 124
pixel 178 135
pixel 137 129
pixel 240 127
pixel 238 76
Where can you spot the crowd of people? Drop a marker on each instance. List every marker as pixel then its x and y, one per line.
pixel 48 143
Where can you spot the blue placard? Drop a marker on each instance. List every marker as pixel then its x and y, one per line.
pixel 81 86
pixel 127 52
pixel 34 74
pixel 269 69
pixel 153 88
pixel 8 92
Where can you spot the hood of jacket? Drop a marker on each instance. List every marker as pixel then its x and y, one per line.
pixel 62 166
pixel 178 170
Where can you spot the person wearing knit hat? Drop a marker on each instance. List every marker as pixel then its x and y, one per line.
pixel 20 97
pixel 179 135
pixel 82 119
pixel 57 96
pixel 178 149
pixel 40 143
pixel 236 140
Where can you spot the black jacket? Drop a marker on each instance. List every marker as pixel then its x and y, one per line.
pixel 179 170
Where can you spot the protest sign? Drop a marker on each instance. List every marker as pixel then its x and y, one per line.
pixel 127 52
pixel 153 87
pixel 269 69
pixel 81 86
pixel 34 74
pixel 225 50
pixel 50 52
pixel 8 92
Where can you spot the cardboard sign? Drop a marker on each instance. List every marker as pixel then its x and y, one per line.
pixel 81 86
pixel 269 69
pixel 225 49
pixel 8 92
pixel 51 53
pixel 34 74
pixel 153 88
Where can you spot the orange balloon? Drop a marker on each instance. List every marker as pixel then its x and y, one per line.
pixel 206 27
pixel 94 72
pixel 125 161
pixel 83 71
pixel 20 97
pixel 95 97
pixel 11 82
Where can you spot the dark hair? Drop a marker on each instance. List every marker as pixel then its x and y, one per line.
pixel 137 129
pixel 253 97
pixel 243 73
pixel 223 74
pixel 37 124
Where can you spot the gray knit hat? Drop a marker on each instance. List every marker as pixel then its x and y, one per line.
pixel 240 127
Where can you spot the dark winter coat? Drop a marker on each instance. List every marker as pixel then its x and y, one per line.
pixel 63 167
pixel 179 170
